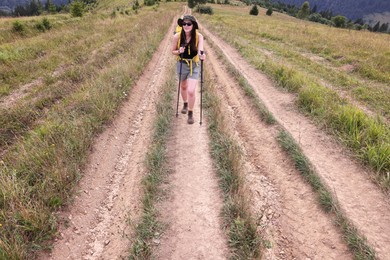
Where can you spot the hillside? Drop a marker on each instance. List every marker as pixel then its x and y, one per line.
pixel 13 3
pixel 353 9
pixel 291 161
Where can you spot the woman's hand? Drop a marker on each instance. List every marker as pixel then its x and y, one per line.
pixel 181 50
pixel 202 56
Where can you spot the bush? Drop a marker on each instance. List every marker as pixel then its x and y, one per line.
pixel 269 11
pixel 150 2
pixel 77 9
pixel 18 26
pixel 339 21
pixel 205 10
pixel 46 23
pixel 43 25
pixel 254 10
pixel 136 5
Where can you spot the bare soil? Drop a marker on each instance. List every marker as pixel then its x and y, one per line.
pixel 285 207
pixel 361 200
pixel 100 222
pixel 193 204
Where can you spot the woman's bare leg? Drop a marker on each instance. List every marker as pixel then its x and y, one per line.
pixel 191 88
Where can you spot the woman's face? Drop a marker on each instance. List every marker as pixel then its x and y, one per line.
pixel 187 25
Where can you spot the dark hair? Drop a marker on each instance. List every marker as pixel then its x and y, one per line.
pixel 192 42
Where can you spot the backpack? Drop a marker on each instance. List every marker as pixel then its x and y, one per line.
pixel 196 58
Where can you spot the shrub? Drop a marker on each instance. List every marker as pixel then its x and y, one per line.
pixel 77 9
pixel 269 11
pixel 18 26
pixel 150 2
pixel 46 23
pixel 136 5
pixel 254 10
pixel 43 25
pixel 205 10
pixel 339 21
pixel 40 27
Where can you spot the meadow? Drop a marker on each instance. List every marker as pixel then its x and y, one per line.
pixel 341 77
pixel 82 70
pixel 68 81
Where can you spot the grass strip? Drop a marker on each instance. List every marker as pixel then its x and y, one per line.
pixel 264 113
pixel 227 155
pixel 39 171
pixel 357 243
pixel 17 120
pixel 369 138
pixel 157 168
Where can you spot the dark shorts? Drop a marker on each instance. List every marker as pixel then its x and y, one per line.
pixel 186 72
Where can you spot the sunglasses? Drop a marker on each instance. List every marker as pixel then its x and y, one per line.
pixel 187 24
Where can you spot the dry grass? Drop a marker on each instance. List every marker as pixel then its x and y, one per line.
pixel 102 57
pixel 309 59
pixel 320 52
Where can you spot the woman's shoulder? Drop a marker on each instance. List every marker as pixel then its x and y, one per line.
pixel 199 34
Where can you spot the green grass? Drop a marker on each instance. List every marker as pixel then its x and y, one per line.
pixel 279 46
pixel 357 243
pixel 156 163
pixel 317 51
pixel 244 240
pixel 43 163
pixel 248 89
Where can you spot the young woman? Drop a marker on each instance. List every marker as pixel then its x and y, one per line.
pixel 188 45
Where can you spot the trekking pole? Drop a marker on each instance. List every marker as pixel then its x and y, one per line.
pixel 201 88
pixel 178 89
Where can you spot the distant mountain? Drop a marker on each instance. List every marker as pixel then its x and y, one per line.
pixel 11 4
pixel 352 9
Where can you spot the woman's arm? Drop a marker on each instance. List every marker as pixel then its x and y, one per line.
pixel 174 49
pixel 200 47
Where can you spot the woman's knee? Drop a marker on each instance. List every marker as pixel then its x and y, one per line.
pixel 184 85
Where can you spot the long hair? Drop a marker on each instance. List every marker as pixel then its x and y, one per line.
pixel 192 42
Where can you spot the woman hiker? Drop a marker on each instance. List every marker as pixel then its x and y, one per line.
pixel 188 46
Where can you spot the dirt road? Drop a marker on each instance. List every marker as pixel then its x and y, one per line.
pixel 97 226
pixel 194 203
pixel 363 203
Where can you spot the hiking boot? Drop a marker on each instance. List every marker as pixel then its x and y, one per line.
pixel 190 119
pixel 185 108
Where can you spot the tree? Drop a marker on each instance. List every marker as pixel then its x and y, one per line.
pixel 40 7
pixel 304 12
pixel 33 8
pixel 269 11
pixel 254 10
pixel 376 27
pixel 384 27
pixel 339 21
pixel 314 10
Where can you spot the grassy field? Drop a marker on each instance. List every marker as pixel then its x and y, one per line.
pixel 341 77
pixel 86 67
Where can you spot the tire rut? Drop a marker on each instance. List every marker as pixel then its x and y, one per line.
pixel 108 200
pixel 361 200
pixel 193 204
pixel 284 206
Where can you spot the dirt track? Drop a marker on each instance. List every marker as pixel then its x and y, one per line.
pixel 363 203
pixel 284 205
pixel 97 225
